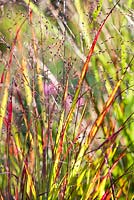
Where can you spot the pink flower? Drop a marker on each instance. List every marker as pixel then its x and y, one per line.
pixel 49 89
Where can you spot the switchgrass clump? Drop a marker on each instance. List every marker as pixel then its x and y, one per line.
pixel 66 100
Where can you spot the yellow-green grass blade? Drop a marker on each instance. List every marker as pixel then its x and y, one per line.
pixel 28 92
pixel 4 99
pixel 83 20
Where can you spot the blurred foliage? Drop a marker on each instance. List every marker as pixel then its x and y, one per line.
pixel 55 143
